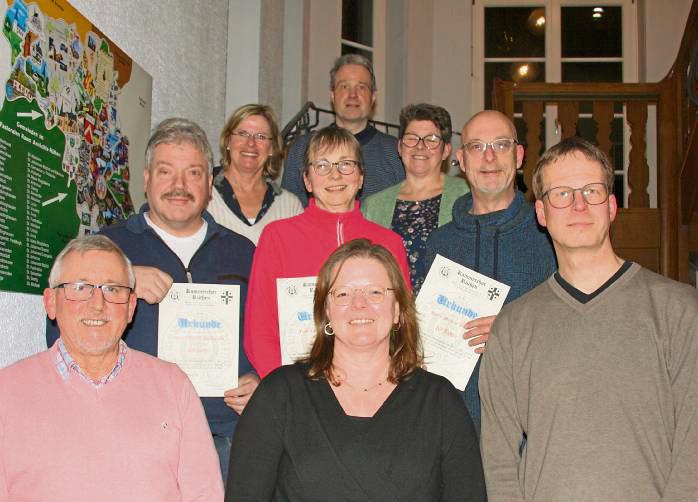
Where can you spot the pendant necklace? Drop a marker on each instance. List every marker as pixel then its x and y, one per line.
pixel 364 389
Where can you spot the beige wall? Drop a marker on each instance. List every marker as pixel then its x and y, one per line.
pixel 325 30
pixel 664 22
pixel 451 81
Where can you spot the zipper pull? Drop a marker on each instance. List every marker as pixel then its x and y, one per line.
pixel 189 279
pixel 340 233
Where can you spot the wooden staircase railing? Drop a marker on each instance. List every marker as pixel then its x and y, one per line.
pixel 654 237
pixel 689 177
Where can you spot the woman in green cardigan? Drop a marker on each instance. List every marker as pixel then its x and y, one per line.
pixel 415 207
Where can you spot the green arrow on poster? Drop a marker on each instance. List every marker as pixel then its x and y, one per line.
pixel 37 201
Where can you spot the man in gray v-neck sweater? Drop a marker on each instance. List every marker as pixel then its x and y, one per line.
pixel 597 366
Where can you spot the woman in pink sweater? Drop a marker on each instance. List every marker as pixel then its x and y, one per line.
pixel 298 246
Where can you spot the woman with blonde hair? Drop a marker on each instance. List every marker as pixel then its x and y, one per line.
pixel 245 197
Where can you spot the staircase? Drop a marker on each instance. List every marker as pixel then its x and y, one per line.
pixel 658 238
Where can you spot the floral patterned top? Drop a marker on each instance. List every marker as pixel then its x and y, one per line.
pixel 414 221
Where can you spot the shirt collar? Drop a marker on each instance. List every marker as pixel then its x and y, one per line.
pixel 365 135
pixel 65 365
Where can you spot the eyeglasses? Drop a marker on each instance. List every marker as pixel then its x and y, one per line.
pixel 360 88
pixel 245 136
pixel 562 197
pixel 83 291
pixel 324 167
pixel 503 145
pixel 431 142
pixel 372 294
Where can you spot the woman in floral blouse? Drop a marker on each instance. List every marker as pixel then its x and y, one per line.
pixel 422 202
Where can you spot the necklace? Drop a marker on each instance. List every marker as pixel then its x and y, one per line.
pixel 364 389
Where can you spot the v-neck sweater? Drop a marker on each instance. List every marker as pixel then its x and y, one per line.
pixel 142 436
pixel 606 393
pixel 294 442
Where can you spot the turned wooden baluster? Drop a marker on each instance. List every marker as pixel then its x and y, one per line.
pixel 567 114
pixel 638 170
pixel 532 116
pixel 603 116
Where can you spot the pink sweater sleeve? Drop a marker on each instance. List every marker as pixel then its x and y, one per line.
pixel 4 493
pixel 199 472
pixel 261 338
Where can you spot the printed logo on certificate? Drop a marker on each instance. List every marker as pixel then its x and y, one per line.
pixel 451 296
pixel 296 324
pixel 199 330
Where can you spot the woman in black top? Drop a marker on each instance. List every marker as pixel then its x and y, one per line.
pixel 359 419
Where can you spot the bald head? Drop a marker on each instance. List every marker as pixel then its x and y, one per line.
pixel 489 169
pixel 489 119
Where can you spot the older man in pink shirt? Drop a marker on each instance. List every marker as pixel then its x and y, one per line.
pixel 90 419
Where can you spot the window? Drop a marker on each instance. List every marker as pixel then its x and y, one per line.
pixel 357 27
pixel 557 41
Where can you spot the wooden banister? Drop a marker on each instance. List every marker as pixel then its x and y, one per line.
pixel 657 236
pixel 689 177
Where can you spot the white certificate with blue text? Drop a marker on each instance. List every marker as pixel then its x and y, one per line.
pixel 199 330
pixel 296 324
pixel 451 296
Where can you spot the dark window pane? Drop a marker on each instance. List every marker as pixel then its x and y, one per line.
pixel 348 49
pixel 512 32
pixel 357 21
pixel 516 72
pixel 592 72
pixel 592 32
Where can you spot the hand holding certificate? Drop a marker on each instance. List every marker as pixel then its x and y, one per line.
pixel 296 324
pixel 199 329
pixel 451 296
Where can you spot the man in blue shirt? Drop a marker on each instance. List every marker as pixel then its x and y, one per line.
pixel 353 95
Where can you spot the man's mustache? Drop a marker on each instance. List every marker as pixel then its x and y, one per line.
pixel 177 194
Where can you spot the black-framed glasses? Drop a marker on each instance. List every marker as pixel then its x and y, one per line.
pixel 324 167
pixel 373 294
pixel 562 197
pixel 502 145
pixel 246 135
pixel 431 141
pixel 83 291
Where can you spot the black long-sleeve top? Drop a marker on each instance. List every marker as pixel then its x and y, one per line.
pixel 294 442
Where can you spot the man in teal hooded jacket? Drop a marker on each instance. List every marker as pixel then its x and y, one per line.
pixel 494 229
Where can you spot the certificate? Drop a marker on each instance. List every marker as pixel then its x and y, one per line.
pixel 451 296
pixel 199 330
pixel 296 324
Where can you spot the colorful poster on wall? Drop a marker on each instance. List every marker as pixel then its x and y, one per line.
pixel 74 106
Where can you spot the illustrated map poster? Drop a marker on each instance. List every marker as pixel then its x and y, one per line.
pixel 73 109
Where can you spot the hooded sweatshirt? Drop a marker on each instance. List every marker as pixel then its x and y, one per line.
pixel 506 245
